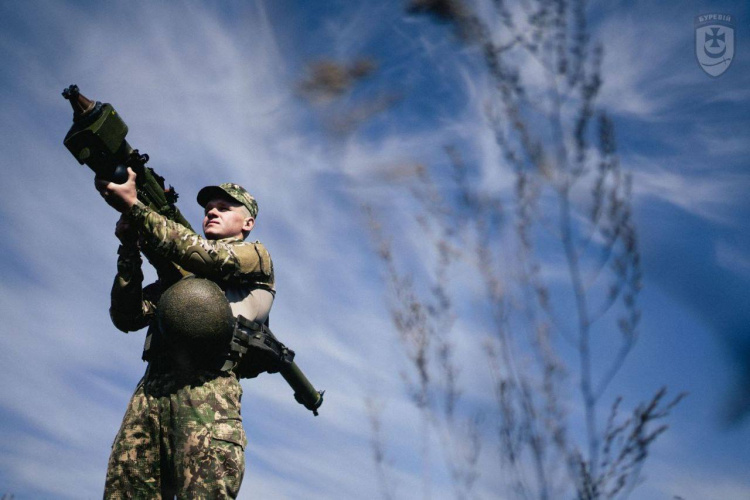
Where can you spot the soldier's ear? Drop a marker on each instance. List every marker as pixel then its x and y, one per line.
pixel 249 224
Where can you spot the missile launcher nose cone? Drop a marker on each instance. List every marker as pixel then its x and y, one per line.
pixel 80 103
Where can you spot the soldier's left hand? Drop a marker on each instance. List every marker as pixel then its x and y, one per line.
pixel 119 196
pixel 126 233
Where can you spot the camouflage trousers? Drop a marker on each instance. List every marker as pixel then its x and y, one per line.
pixel 181 436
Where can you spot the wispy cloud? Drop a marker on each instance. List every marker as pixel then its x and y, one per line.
pixel 632 69
pixel 208 92
pixel 713 197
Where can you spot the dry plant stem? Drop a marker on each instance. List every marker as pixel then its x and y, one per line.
pixel 377 445
pixel 557 143
pixel 584 351
pixel 423 326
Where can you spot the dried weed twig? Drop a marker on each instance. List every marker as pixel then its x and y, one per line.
pixel 570 210
pixel 328 86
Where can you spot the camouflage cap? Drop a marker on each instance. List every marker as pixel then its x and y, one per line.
pixel 233 191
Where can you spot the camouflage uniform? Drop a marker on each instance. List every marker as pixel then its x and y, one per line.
pixel 182 432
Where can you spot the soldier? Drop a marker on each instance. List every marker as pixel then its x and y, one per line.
pixel 182 432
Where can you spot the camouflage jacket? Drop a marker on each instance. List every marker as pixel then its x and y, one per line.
pixel 230 262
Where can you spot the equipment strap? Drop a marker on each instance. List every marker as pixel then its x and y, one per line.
pixel 254 349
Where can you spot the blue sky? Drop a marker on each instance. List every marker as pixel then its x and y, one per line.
pixel 208 90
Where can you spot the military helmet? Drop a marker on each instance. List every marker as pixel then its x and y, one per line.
pixel 195 313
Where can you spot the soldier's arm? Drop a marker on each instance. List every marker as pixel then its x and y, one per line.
pixel 220 261
pixel 131 307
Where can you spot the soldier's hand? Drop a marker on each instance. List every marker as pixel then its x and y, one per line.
pixel 125 232
pixel 119 196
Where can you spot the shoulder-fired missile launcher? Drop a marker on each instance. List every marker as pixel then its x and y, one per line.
pixel 97 139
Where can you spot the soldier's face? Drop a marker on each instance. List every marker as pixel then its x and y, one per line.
pixel 225 219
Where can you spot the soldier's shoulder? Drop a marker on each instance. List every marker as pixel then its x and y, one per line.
pixel 238 243
pixel 258 244
pixel 253 257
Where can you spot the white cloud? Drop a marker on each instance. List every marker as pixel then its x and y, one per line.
pixel 642 72
pixel 208 104
pixel 210 99
pixel 712 197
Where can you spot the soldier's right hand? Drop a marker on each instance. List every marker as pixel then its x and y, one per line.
pixel 125 232
pixel 121 197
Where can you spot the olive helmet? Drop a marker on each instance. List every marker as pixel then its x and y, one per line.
pixel 195 313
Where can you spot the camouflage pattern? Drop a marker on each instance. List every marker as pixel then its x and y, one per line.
pixel 181 435
pixel 229 261
pixel 132 307
pixel 234 191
